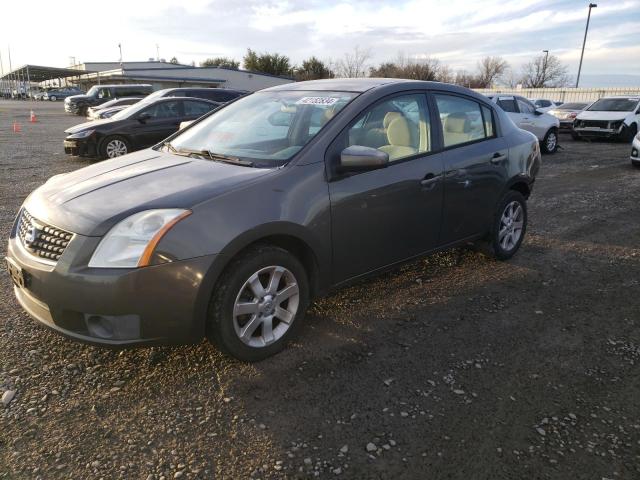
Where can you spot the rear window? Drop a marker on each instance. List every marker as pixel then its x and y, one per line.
pixel 507 104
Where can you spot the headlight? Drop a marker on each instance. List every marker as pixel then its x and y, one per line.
pixel 131 242
pixel 82 134
pixel 615 125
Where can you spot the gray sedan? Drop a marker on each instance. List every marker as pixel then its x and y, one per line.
pixel 230 227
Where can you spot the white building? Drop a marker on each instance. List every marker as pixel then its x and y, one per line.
pixel 168 75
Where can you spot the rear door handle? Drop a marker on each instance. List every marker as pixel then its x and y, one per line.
pixel 498 157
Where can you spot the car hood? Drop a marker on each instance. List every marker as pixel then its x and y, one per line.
pixel 76 98
pixel 89 125
pixel 587 115
pixel 91 200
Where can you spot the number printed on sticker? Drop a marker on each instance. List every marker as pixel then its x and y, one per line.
pixel 317 101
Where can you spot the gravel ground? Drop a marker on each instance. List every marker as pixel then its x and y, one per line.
pixel 454 367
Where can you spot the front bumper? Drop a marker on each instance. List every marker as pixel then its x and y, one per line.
pixel 595 132
pixel 635 151
pixel 162 304
pixel 83 147
pixel 71 108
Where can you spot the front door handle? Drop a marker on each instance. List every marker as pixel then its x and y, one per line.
pixel 430 180
pixel 498 157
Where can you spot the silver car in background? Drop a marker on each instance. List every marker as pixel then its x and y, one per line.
pixel 567 113
pixel 525 115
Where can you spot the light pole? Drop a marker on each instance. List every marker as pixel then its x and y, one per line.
pixel 544 67
pixel 586 29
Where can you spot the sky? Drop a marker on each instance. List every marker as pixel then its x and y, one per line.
pixel 457 32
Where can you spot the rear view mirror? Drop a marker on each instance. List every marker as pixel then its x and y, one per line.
pixel 359 158
pixel 280 119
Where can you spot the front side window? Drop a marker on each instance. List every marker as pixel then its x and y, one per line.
pixel 163 110
pixel 266 128
pixel 525 107
pixel 461 119
pixel 399 127
pixel 104 93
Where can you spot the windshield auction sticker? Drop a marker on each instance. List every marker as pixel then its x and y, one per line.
pixel 317 101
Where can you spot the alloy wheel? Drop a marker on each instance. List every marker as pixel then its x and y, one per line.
pixel 116 148
pixel 552 141
pixel 511 225
pixel 266 306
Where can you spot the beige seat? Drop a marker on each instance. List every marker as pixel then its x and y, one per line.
pixel 399 139
pixel 456 129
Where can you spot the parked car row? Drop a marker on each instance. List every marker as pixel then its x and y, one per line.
pixel 122 125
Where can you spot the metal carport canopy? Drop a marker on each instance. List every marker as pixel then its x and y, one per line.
pixel 37 73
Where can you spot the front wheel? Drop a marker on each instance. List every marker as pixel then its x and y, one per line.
pixel 114 146
pixel 628 132
pixel 550 141
pixel 258 304
pixel 53 98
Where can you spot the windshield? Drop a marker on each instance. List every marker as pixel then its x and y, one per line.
pixel 266 128
pixel 614 105
pixel 572 106
pixel 93 91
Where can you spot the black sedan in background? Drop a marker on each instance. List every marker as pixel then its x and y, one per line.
pixel 139 126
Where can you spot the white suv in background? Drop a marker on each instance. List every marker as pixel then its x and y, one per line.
pixel 610 117
pixel 525 115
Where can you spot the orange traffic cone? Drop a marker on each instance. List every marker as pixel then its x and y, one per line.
pixel 16 127
pixel 32 117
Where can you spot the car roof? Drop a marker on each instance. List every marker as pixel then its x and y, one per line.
pixel 358 85
pixel 168 99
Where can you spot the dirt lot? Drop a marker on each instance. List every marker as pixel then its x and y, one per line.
pixel 456 367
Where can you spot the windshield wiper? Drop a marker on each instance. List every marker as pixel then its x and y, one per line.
pixel 228 159
pixel 170 147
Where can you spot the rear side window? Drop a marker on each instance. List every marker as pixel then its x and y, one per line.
pixel 462 120
pixel 196 109
pixel 508 104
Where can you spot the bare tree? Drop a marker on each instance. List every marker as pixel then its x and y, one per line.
pixel 466 79
pixel 354 64
pixel 544 71
pixel 415 69
pixel 490 69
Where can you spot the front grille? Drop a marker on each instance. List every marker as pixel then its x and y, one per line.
pixel 594 123
pixel 42 240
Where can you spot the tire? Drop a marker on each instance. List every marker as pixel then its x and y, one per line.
pixel 114 146
pixel 243 335
pixel 53 98
pixel 495 244
pixel 628 133
pixel 550 141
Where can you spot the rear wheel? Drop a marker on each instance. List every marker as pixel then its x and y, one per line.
pixel 550 141
pixel 53 98
pixel 258 304
pixel 114 146
pixel 509 227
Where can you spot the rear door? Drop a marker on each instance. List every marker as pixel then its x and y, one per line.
pixel 383 216
pixel 475 164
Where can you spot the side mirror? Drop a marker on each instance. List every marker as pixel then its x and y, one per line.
pixel 357 158
pixel 538 112
pixel 143 117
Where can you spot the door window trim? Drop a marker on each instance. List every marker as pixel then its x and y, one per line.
pixel 333 175
pixel 465 97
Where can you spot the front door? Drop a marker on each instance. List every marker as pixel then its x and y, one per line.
pixel 384 216
pixel 160 120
